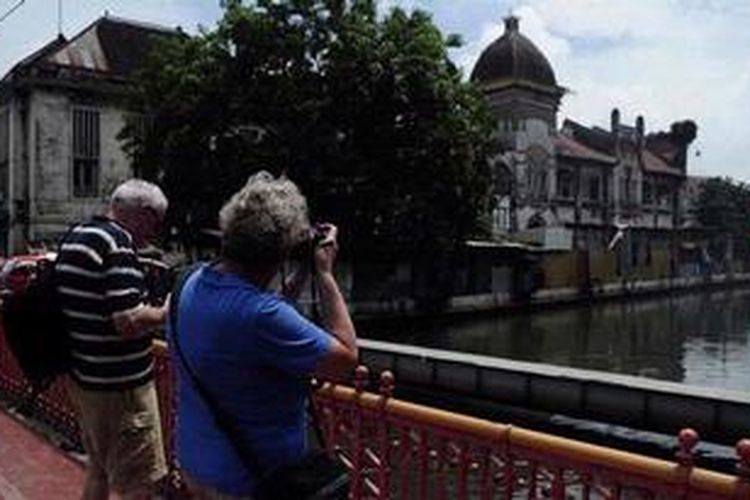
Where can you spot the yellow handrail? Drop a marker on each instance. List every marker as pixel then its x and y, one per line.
pixel 558 450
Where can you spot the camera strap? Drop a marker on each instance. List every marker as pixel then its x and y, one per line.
pixel 314 310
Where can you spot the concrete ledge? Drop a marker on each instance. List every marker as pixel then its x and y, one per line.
pixel 721 416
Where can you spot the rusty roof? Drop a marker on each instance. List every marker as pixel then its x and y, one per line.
pixel 655 156
pixel 653 164
pixel 570 148
pixel 109 47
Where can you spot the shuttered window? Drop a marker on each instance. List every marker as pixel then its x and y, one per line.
pixel 86 149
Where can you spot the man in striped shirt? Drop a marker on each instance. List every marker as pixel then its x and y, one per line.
pixel 101 288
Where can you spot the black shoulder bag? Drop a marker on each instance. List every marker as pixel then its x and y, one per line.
pixel 316 476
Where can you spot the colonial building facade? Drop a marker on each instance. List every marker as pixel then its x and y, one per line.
pixel 572 186
pixel 61 110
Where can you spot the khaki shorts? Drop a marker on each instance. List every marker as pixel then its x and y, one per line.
pixel 121 433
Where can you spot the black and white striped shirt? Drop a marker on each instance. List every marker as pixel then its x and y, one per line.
pixel 98 275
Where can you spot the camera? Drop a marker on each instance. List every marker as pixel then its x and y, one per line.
pixel 320 235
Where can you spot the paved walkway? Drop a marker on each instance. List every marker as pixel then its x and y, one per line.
pixel 33 469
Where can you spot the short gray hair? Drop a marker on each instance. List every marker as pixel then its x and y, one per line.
pixel 264 221
pixel 137 193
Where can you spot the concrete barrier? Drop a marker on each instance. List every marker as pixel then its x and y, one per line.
pixel 640 403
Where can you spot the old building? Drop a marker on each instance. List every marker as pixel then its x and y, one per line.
pixel 576 187
pixel 61 110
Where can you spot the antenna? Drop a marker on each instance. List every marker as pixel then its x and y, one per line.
pixel 59 17
pixel 11 10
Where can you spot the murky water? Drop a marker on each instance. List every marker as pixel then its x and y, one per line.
pixel 699 339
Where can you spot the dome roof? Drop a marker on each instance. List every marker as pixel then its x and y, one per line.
pixel 513 57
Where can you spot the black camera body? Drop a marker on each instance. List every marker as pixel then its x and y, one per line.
pixel 321 236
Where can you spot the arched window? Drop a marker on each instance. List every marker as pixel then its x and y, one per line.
pixel 565 183
pixel 538 159
pixel 504 181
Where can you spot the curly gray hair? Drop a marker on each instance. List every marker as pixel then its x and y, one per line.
pixel 264 221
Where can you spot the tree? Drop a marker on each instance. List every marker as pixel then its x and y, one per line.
pixel 722 208
pixel 366 113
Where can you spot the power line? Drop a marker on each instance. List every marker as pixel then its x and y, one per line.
pixel 11 10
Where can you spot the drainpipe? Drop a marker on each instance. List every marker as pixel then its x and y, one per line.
pixel 31 158
pixel 10 244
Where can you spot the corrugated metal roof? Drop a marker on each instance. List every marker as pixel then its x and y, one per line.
pixel 655 165
pixel 569 147
pixel 84 52
pixel 110 45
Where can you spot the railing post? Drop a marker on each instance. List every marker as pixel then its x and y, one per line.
pixel 509 469
pixel 387 385
pixel 361 377
pixel 685 455
pixel 687 439
pixel 743 464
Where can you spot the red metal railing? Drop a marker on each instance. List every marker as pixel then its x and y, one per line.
pixel 396 449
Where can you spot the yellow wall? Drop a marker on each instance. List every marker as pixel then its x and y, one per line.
pixel 560 270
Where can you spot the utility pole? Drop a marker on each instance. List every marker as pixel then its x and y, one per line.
pixel 11 10
pixel 59 18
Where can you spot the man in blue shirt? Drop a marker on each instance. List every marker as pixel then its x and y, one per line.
pixel 249 347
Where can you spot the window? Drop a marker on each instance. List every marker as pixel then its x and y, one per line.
pixel 85 152
pixel 564 184
pixel 627 186
pixel 502 214
pixel 648 193
pixel 665 196
pixel 594 190
pixel 538 159
pixel 537 181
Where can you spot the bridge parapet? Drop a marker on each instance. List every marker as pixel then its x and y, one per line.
pixel 636 402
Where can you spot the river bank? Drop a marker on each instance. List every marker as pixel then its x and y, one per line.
pixel 548 297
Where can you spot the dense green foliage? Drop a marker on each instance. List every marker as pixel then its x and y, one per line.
pixel 365 112
pixel 724 208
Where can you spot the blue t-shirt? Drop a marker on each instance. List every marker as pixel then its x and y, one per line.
pixel 254 352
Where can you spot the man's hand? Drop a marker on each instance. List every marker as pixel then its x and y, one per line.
pixel 125 322
pixel 325 252
pixel 140 320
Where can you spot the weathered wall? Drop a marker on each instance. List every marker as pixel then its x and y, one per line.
pixel 48 139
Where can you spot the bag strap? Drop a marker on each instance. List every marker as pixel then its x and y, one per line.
pixel 223 420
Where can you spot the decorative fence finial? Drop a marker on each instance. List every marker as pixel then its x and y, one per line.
pixel 361 378
pixel 687 438
pixel 743 453
pixel 387 383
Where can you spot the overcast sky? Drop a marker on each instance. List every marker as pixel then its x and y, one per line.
pixel 665 59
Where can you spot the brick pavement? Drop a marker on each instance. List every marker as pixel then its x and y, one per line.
pixel 33 469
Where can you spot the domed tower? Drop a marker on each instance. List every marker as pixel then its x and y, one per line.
pixel 517 78
pixel 522 91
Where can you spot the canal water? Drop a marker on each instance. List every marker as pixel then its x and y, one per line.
pixel 700 338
